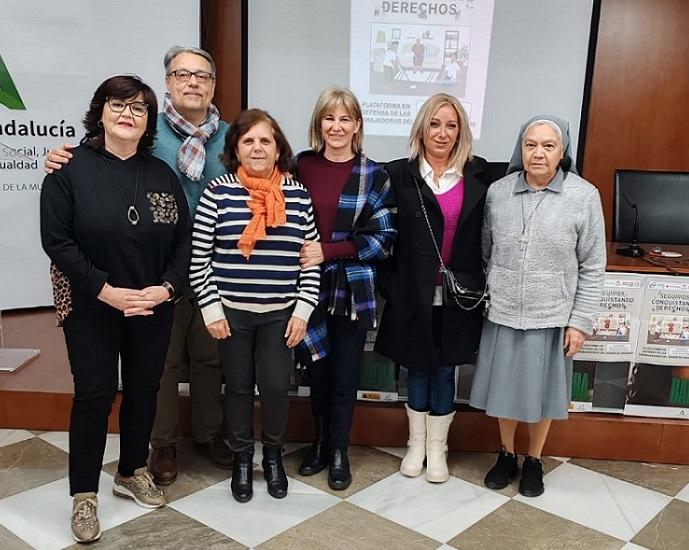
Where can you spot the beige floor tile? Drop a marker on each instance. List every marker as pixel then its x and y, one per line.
pixel 348 526
pixel 669 530
pixel 473 467
pixel 194 472
pixel 519 526
pixel 164 528
pixel 9 541
pixel 368 466
pixel 28 464
pixel 668 479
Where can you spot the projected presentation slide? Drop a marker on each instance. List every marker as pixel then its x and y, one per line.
pixel 504 60
pixel 413 50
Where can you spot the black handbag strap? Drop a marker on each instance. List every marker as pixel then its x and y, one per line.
pixel 428 223
pixel 447 273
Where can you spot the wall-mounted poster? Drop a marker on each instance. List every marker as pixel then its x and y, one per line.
pixel 616 322
pixel 53 55
pixel 664 328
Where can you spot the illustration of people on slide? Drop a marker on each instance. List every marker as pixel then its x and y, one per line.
pixel 418 60
pixel 419 51
pixel 391 63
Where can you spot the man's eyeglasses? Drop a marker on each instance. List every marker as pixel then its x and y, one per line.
pixel 138 108
pixel 182 75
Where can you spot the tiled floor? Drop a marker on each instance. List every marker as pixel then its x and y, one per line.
pixel 588 504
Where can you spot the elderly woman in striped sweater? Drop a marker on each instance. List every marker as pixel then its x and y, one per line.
pixel 255 297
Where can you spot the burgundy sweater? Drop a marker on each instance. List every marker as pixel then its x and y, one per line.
pixel 325 181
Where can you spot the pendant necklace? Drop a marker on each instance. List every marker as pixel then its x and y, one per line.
pixel 526 222
pixel 132 213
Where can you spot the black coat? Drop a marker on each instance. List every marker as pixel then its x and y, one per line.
pixel 408 279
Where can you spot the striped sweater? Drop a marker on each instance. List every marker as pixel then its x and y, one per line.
pixel 271 279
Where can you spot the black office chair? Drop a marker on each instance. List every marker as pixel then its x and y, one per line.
pixel 662 199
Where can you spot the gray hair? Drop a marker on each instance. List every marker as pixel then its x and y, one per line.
pixel 547 122
pixel 176 50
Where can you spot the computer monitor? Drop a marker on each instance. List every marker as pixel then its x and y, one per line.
pixel 663 202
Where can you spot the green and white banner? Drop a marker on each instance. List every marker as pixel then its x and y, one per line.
pixel 53 55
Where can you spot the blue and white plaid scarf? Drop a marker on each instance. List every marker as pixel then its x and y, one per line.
pixel 366 216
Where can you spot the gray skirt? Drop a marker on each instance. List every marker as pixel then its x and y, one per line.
pixel 522 374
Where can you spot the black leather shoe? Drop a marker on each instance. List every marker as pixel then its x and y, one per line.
pixel 316 460
pixel 217 451
pixel 339 475
pixel 504 471
pixel 242 476
pixel 274 472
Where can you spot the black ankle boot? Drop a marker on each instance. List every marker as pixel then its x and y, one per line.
pixel 318 456
pixel 274 472
pixel 242 476
pixel 505 470
pixel 531 483
pixel 339 475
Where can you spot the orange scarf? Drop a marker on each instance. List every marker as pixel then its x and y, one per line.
pixel 267 204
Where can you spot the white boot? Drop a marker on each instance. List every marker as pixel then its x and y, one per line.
pixel 436 447
pixel 412 463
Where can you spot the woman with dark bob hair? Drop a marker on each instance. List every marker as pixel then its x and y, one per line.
pixel 115 225
pixel 255 297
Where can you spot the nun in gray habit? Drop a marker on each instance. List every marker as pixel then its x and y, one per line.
pixel 543 244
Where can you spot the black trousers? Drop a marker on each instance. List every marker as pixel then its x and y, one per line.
pixel 335 379
pixel 96 337
pixel 256 354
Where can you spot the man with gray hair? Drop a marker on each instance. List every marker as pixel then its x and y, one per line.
pixel 190 139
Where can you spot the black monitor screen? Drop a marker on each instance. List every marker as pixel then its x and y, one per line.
pixel 663 202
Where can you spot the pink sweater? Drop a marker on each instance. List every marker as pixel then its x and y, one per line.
pixel 451 206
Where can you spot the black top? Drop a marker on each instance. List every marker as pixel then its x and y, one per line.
pixel 86 232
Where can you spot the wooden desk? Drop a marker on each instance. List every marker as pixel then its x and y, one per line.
pixel 649 263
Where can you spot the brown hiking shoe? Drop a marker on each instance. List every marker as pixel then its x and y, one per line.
pixel 163 465
pixel 85 524
pixel 139 487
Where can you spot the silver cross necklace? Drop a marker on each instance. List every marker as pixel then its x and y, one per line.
pixel 526 222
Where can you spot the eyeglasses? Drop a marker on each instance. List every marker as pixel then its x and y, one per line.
pixel 137 108
pixel 182 75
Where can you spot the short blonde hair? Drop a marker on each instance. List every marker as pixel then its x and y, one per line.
pixel 326 102
pixel 462 151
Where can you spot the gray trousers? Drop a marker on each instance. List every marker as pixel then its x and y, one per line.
pixel 192 345
pixel 256 354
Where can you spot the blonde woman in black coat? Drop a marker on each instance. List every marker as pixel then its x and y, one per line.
pixel 417 329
